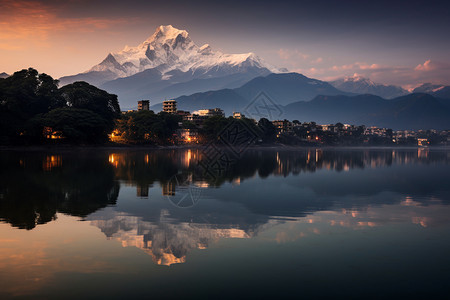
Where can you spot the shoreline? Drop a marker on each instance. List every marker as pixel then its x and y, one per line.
pixel 185 147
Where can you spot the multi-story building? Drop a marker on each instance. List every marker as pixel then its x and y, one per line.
pixel 194 118
pixel 381 132
pixel 422 142
pixel 170 106
pixel 183 113
pixel 209 112
pixel 283 126
pixel 144 105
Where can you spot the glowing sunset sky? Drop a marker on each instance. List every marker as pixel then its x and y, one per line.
pixel 398 42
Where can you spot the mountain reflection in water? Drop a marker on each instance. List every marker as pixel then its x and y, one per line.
pixel 136 197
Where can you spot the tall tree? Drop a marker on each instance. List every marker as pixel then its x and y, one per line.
pixel 24 95
pixel 85 96
pixel 269 131
pixel 78 125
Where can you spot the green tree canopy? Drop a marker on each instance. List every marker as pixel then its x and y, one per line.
pixel 269 131
pixel 77 125
pixel 28 98
pixel 24 95
pixel 148 127
pixel 85 96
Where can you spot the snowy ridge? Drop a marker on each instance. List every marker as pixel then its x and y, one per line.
pixel 428 88
pixel 172 49
pixel 361 85
pixel 359 79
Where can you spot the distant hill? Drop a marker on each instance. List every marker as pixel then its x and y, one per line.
pixel 414 111
pixel 3 75
pixel 150 84
pixel 226 99
pixel 361 85
pixel 281 88
pixel 287 88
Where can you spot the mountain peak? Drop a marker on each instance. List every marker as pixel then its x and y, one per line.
pixel 170 48
pixel 360 79
pixel 166 32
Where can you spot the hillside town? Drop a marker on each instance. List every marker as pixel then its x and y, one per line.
pixel 191 125
pixel 37 112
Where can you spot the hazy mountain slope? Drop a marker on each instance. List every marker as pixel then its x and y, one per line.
pixel 443 92
pixel 333 109
pixel 414 111
pixel 444 101
pixel 427 88
pixel 94 77
pixel 361 85
pixel 150 84
pixel 436 90
pixel 287 88
pixel 226 99
pixel 281 88
pixel 419 111
pixel 3 75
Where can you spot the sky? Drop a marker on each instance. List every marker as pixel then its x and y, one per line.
pixel 392 42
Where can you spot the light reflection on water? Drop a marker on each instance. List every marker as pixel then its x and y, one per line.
pixel 135 218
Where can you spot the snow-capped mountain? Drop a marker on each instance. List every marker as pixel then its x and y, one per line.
pixel 437 90
pixel 428 88
pixel 360 85
pixel 172 49
pixel 169 57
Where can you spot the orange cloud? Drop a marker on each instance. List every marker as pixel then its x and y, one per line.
pixel 23 22
pixel 426 66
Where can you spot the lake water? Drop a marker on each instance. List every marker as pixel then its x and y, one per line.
pixel 305 223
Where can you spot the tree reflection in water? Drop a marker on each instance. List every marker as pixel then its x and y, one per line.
pixel 35 186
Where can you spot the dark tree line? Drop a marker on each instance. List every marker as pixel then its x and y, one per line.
pixel 31 102
pixel 146 127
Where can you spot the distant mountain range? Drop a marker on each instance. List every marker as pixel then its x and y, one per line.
pixel 326 104
pixel 3 75
pixel 169 64
pixel 413 111
pixel 360 85
pixel 282 89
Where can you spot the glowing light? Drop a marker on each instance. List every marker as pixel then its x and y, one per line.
pixel 51 162
pixel 114 160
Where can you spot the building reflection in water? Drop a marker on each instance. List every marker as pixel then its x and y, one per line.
pixel 422 152
pixel 90 184
pixel 142 169
pixel 52 161
pixel 142 191
pixel 168 189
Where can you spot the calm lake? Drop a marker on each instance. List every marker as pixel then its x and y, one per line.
pixel 304 223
